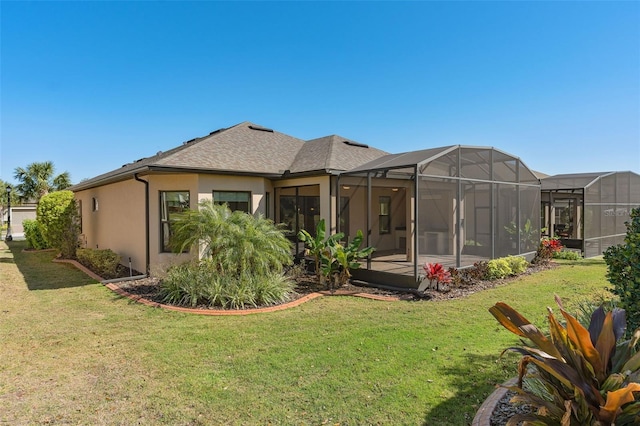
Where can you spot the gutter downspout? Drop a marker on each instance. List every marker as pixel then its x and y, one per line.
pixel 146 221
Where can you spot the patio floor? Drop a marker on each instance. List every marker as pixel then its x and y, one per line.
pixel 396 263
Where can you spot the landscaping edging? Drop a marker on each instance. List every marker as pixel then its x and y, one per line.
pixel 483 415
pixel 220 312
pixel 229 312
pixel 81 267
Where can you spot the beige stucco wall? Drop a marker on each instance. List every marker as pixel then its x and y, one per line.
pixel 256 185
pixel 200 188
pixel 118 223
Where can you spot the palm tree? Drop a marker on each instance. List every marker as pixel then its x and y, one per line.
pixel 38 180
pixel 237 243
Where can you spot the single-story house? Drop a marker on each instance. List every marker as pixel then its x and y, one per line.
pixel 454 205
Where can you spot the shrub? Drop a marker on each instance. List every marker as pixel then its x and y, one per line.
pixel 518 264
pixel 333 260
pixel 580 376
pixel 58 214
pixel 547 248
pixel 198 283
pixel 237 243
pixel 436 274
pixel 623 264
pixel 498 268
pixel 34 234
pixel 242 265
pixel 479 271
pixel 103 262
pixel 567 255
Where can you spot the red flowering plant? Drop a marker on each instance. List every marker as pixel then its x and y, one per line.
pixel 435 274
pixel 547 248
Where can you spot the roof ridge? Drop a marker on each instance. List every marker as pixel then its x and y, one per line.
pixel 327 159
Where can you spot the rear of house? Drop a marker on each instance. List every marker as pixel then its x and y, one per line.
pixel 453 205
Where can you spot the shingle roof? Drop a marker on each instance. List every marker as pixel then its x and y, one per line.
pixel 245 148
pixel 333 153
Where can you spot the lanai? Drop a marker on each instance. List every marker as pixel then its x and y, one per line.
pixel 588 211
pixel 452 205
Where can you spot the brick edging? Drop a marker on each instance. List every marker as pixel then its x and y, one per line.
pixel 80 267
pixel 231 312
pixel 222 312
pixel 483 415
pixel 214 312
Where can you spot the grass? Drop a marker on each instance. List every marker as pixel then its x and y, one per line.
pixel 73 352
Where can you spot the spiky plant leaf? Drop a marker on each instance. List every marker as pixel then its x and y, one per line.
pixel 581 338
pixel 617 399
pixel 519 325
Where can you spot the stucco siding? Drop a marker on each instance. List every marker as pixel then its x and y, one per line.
pixel 159 260
pixel 256 185
pixel 118 222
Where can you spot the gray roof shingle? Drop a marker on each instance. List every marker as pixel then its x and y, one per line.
pixel 242 148
pixel 247 148
pixel 333 153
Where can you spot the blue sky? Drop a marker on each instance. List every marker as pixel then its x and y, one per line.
pixel 94 85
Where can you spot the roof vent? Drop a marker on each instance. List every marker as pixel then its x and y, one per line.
pixel 262 129
pixel 189 141
pixel 217 131
pixel 356 144
pixel 137 161
pixel 159 153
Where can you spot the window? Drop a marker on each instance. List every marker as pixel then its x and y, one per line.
pixel 384 218
pixel 94 204
pixel 235 200
pixel 171 203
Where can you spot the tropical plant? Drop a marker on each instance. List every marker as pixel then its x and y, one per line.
pixel 200 283
pixel 58 214
pixel 623 263
pixel 316 246
pixel 242 259
pixel 435 274
pixel 333 259
pixel 37 180
pixel 338 259
pixel 237 243
pixel 580 376
pixel 528 234
pixel 547 248
pixel 34 234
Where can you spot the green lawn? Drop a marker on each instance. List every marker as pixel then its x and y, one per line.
pixel 72 352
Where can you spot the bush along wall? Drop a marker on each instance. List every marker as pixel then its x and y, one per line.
pixel 103 262
pixel 57 212
pixel 34 234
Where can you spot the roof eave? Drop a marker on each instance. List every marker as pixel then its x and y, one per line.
pixel 129 174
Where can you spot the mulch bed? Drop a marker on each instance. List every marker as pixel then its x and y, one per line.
pixel 149 288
